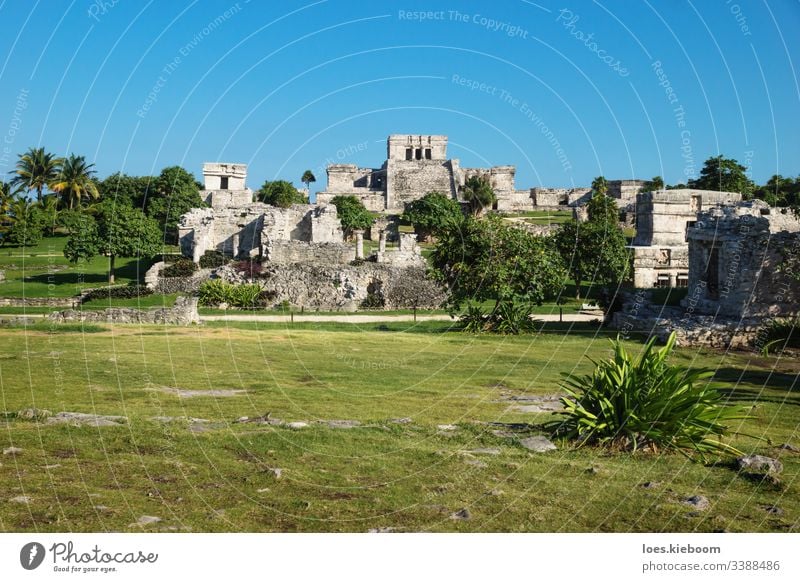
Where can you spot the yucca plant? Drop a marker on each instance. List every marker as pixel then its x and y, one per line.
pixel 630 403
pixel 214 292
pixel 512 318
pixel 473 320
pixel 246 295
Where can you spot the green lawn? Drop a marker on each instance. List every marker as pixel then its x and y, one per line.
pixel 220 475
pixel 42 271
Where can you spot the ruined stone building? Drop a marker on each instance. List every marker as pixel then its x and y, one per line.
pixel 416 165
pixel 307 261
pixel 737 259
pixel 660 249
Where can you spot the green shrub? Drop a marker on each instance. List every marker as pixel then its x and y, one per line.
pixel 473 320
pixel 180 268
pixel 512 318
pixel 121 292
pixel 246 296
pixel 212 260
pixel 630 403
pixel 778 334
pixel 214 292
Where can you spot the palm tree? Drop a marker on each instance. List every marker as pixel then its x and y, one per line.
pixel 479 193
pixel 36 169
pixel 49 208
pixel 308 177
pixel 75 181
pixel 7 195
pixel 600 185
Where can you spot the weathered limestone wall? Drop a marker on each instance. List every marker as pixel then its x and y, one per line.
pixel 184 312
pixel 652 262
pixel 285 252
pixel 398 146
pixel 662 215
pixel 736 260
pixel 345 288
pixel 409 181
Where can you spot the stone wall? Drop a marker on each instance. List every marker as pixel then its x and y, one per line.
pixel 737 262
pixel 653 264
pixel 283 252
pixel 332 288
pixel 184 312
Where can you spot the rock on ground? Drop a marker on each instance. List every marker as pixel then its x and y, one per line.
pixel 697 501
pixel 538 444
pixel 83 419
pixel 759 464
pixel 12 451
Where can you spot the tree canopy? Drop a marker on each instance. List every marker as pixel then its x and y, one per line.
pixel 175 192
pixel 488 259
pixel 75 182
pixel 433 213
pixel 600 185
pixel 308 177
pixel 723 175
pixel 280 193
pixel 352 214
pixel 125 189
pixel 602 208
pixel 479 193
pixel 116 230
pixel 36 169
pixel 594 250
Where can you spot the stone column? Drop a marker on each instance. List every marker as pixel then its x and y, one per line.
pixel 359 244
pixel 382 241
pixel 195 252
pixel 235 245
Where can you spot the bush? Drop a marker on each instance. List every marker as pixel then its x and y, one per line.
pixel 170 258
pixel 246 296
pixel 432 213
pixel 249 268
pixel 214 292
pixel 777 335
pixel 473 320
pixel 212 260
pixel 126 292
pixel 511 318
pixel 180 268
pixel 507 318
pixel 630 403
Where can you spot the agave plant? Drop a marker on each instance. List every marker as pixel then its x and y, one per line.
pixel 643 402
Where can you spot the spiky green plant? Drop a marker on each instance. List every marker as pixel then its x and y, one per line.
pixel 630 403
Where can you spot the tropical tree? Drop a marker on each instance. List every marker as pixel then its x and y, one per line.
pixel 26 224
pixel 478 192
pixel 433 213
pixel 116 230
pixel 50 212
pixel 352 214
pixel 124 189
pixel 600 185
pixel 280 193
pixel 655 183
pixel 35 171
pixel 594 250
pixel 308 177
pixel 74 181
pixel 602 208
pixel 724 175
pixel 174 193
pixel 490 260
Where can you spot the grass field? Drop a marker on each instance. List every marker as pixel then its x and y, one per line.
pixel 203 471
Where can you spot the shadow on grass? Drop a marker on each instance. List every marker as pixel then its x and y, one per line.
pixel 132 270
pixel 763 378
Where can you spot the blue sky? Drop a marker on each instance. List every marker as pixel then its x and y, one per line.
pixel 563 90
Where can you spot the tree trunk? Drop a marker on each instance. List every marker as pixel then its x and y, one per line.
pixel 111 269
pixel 577 287
pixel 39 194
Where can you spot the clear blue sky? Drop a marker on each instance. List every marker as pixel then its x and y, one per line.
pixel 284 86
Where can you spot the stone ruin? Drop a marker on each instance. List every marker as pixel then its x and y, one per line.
pixel 660 249
pixel 306 260
pixel 418 164
pixel 737 279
